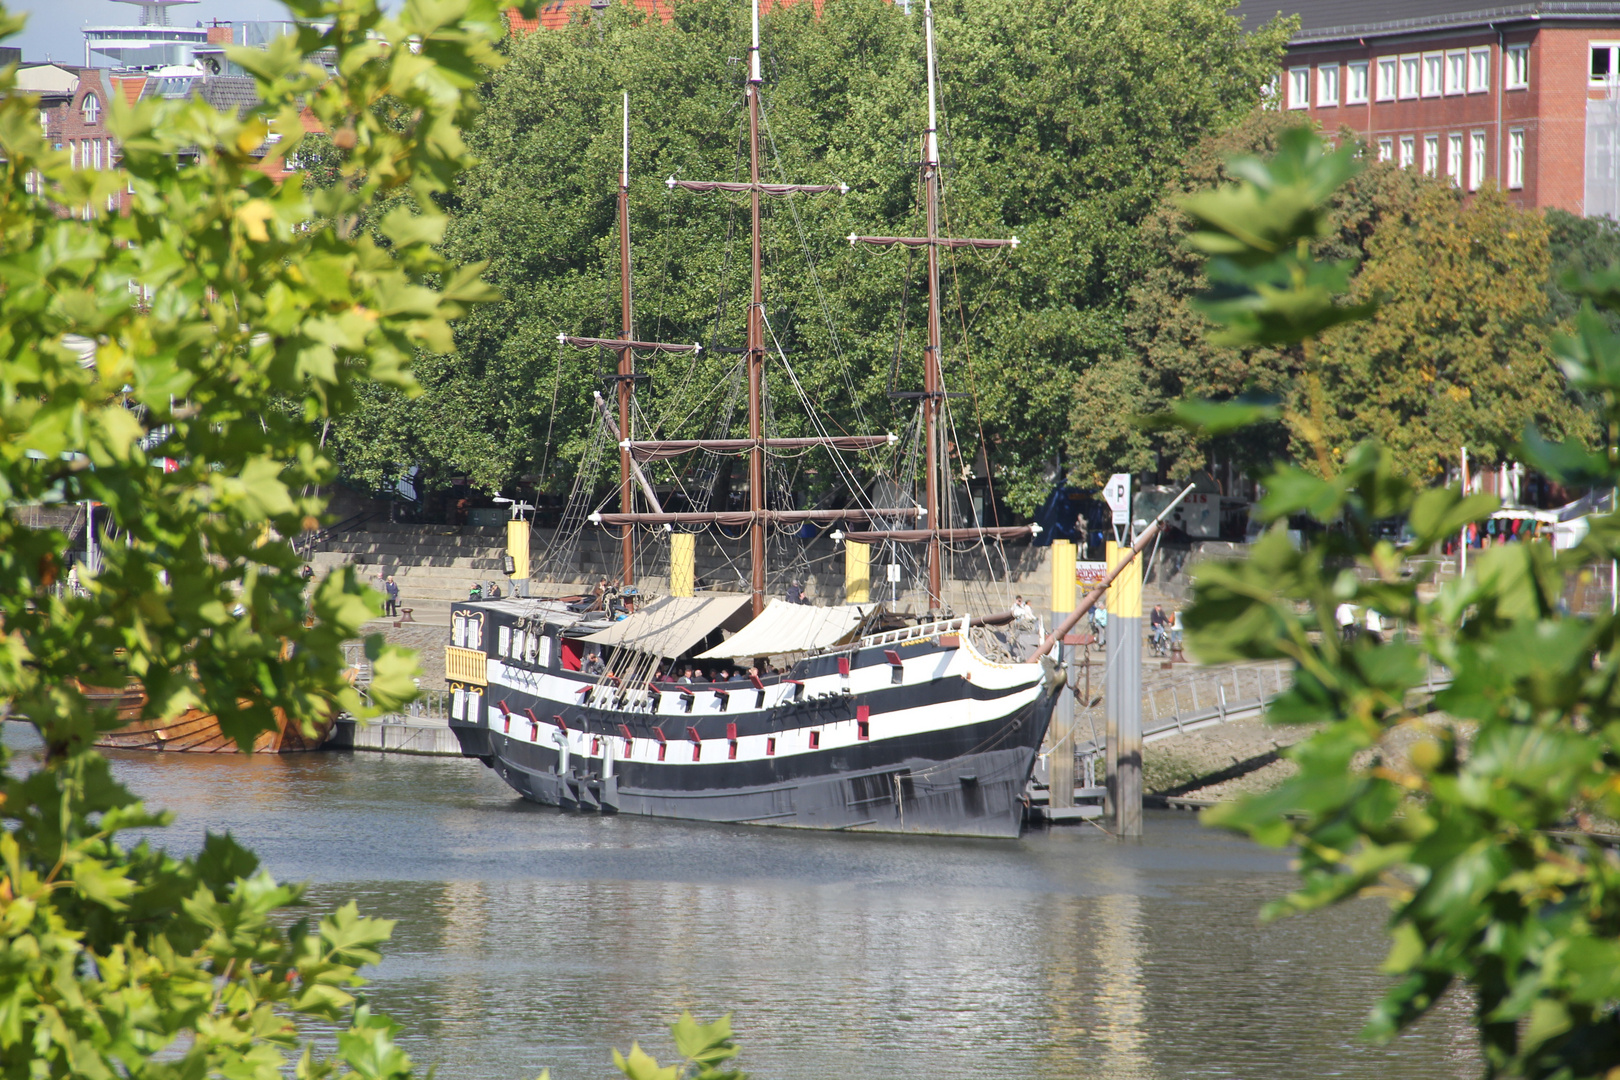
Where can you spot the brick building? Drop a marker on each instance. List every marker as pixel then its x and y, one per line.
pixel 73 105
pixel 1526 96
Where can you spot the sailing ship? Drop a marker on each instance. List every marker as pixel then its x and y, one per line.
pixel 906 728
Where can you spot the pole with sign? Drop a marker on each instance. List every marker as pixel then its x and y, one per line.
pixel 1117 494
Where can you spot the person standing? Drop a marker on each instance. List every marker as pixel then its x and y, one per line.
pixel 1022 610
pixel 391 588
pixel 1375 626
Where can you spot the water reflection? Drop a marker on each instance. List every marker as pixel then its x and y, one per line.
pixel 531 939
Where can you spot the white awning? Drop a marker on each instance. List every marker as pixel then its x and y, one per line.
pixel 791 628
pixel 671 625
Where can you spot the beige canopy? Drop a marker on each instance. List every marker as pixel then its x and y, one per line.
pixel 671 625
pixel 790 628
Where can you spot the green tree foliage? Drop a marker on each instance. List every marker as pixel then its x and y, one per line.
pixel 1063 119
pixel 1458 353
pixel 165 333
pixel 1577 246
pixel 1397 227
pixel 1168 354
pixel 1448 807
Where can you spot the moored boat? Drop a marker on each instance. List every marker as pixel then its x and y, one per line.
pixel 906 728
pixel 193 731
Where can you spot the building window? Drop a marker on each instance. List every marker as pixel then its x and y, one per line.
pixel 1605 69
pixel 1454 156
pixel 1476 160
pixel 1386 78
pixel 1409 76
pixel 1408 151
pixel 1327 85
pixel 1517 76
pixel 1479 70
pixel 73 153
pixel 1355 87
pixel 1457 72
pixel 1299 88
pixel 1516 158
pixel 1386 149
pixel 94 148
pixel 1433 64
pixel 91 108
pixel 1431 155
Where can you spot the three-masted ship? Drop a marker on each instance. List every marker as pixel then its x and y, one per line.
pixel 904 729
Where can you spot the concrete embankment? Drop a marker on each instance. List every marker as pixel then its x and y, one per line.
pixel 395 734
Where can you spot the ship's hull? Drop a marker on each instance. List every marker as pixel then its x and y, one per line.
pixel 946 746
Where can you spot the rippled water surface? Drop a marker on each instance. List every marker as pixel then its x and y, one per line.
pixel 528 938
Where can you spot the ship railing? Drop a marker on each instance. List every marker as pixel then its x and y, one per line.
pixel 912 633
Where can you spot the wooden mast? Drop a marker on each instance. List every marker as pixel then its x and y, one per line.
pixel 756 336
pixel 933 393
pixel 933 377
pixel 627 359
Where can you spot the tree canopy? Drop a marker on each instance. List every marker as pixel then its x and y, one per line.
pixel 1062 122
pixel 1458 354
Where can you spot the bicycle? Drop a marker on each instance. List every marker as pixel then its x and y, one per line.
pixel 1159 641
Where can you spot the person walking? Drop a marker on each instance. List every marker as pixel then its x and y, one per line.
pixel 391 588
pixel 1345 616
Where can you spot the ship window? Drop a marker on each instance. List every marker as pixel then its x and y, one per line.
pixel 733 752
pixel 458 704
pixel 697 751
pixel 544 658
pixel 662 747
pixel 770 747
pixel 815 740
pixel 504 647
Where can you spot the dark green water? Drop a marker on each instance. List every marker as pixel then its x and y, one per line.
pixel 528 938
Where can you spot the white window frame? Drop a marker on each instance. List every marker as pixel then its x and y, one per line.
pixel 1457 71
pixel 1434 74
pixel 1516 68
pixel 1388 73
pixel 1386 149
pixel 1408 151
pixel 1454 158
pixel 1431 155
pixel 1299 88
pixel 1614 62
pixel 503 641
pixel 73 153
pixel 1515 161
pixel 1479 70
pixel 1327 84
pixel 90 108
pixel 1356 83
pixel 95 155
pixel 1476 159
pixel 1410 74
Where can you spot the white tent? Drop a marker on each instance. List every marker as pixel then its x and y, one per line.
pixel 673 624
pixel 791 628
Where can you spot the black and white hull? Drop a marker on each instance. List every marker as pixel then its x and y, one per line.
pixel 916 734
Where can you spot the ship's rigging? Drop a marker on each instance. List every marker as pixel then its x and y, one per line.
pixel 929 521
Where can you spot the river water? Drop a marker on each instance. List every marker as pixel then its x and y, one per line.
pixel 529 938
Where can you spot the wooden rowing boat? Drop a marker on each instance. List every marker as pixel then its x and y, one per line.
pixel 193 731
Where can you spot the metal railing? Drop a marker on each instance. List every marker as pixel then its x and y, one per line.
pixel 912 633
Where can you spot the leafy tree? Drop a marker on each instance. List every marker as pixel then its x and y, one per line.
pixel 1580 246
pixel 1449 808
pixel 1168 355
pixel 1063 119
pixel 1458 353
pixel 120 961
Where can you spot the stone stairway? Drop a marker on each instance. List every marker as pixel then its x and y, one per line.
pixel 433 565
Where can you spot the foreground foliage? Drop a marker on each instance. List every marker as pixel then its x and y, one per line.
pixel 138 353
pixel 1455 809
